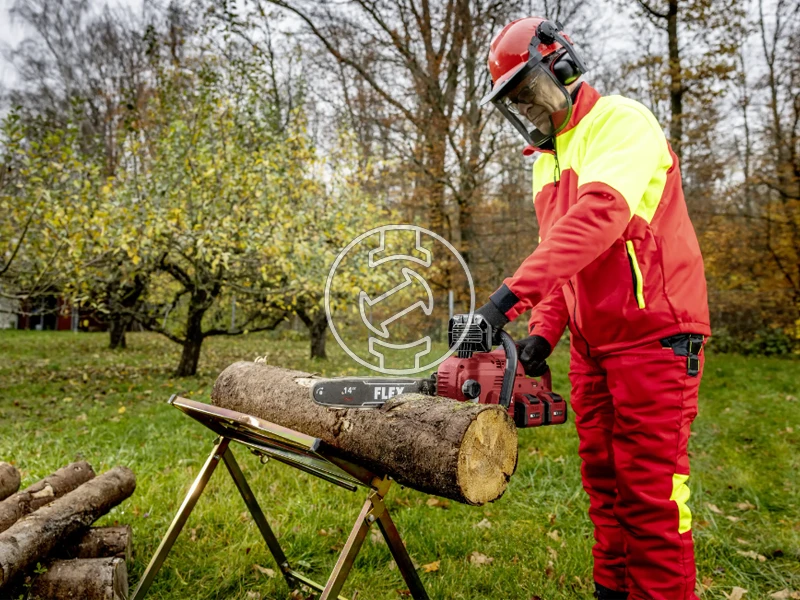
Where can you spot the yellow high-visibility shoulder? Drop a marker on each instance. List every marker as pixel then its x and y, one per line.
pixel 626 150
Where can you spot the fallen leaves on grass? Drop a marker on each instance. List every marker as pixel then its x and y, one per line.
pixel 264 570
pixel 484 524
pixel 745 506
pixel 752 554
pixel 479 559
pixel 714 509
pixel 431 567
pixel 785 595
pixel 737 593
pixel 438 503
pixel 554 535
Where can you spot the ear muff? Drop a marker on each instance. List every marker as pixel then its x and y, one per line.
pixel 564 68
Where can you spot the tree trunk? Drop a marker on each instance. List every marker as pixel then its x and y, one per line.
pixel 116 331
pixel 43 492
pixel 122 299
pixel 319 334
pixel 9 480
pixel 34 537
pixel 192 342
pixel 676 89
pixel 82 579
pixel 317 328
pixel 98 542
pixel 463 451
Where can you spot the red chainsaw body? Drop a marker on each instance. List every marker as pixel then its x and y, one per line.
pixel 533 403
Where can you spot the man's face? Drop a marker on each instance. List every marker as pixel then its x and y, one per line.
pixel 540 100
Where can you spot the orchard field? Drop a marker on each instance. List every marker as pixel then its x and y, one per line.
pixel 64 397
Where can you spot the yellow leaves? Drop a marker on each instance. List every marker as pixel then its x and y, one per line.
pixel 431 567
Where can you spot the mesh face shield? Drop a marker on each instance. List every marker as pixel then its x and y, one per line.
pixel 539 100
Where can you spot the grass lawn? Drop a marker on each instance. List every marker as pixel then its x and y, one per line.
pixel 64 397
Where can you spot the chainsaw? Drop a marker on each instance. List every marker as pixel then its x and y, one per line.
pixel 474 373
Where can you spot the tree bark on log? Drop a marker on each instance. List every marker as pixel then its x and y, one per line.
pixel 34 537
pixel 98 542
pixel 9 480
pixel 82 579
pixel 458 450
pixel 43 492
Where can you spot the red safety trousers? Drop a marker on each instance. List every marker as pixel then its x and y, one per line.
pixel 633 411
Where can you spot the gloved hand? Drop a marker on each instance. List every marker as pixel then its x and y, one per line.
pixel 532 353
pixel 495 318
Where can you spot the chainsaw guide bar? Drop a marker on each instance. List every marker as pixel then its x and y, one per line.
pixel 364 392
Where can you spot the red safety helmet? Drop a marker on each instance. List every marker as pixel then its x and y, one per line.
pixel 531 61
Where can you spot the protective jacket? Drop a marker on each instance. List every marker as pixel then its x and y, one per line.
pixel 618 257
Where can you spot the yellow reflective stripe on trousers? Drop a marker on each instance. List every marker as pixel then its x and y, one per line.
pixel 638 286
pixel 680 496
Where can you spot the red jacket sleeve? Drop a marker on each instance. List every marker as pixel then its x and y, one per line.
pixel 549 318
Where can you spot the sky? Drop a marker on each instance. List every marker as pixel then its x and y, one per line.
pixel 12 34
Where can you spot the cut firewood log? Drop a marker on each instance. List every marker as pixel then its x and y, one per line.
pixel 98 542
pixel 9 480
pixel 34 537
pixel 458 450
pixel 82 579
pixel 43 492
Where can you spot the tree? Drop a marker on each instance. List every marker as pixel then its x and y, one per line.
pixel 45 191
pixel 93 71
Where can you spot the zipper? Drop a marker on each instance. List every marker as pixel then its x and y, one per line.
pixel 575 318
pixel 557 170
pixel 636 274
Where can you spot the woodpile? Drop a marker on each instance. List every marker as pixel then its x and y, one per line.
pixel 462 451
pixel 52 527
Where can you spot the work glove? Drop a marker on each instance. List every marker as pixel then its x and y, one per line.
pixel 532 352
pixel 495 318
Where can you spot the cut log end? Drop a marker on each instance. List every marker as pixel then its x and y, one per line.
pixel 9 480
pixel 487 457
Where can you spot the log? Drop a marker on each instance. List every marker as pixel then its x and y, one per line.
pixel 82 579
pixel 98 542
pixel 43 492
pixel 9 480
pixel 458 450
pixel 35 536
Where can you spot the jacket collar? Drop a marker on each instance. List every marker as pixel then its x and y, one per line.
pixel 584 97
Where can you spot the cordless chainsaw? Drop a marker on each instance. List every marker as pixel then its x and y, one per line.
pixel 474 373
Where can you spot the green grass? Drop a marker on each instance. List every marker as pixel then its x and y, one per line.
pixel 62 398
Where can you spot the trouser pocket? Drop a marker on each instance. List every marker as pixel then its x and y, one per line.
pixel 688 345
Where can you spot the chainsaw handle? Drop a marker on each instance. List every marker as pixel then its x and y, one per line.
pixel 507 389
pixel 546 380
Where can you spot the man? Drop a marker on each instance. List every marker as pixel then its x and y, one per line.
pixel 619 261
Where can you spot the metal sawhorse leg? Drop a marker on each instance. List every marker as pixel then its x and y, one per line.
pixel 373 510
